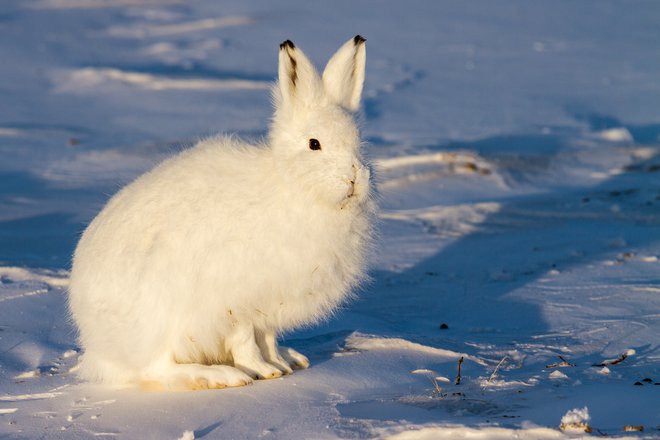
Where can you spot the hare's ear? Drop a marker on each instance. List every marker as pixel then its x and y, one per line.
pixel 298 80
pixel 343 77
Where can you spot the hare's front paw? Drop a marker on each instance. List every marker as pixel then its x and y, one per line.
pixel 296 360
pixel 257 368
pixel 172 376
pixel 217 376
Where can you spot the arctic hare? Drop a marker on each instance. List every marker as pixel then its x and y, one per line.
pixel 189 273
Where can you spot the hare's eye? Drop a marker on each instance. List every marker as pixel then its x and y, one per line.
pixel 314 144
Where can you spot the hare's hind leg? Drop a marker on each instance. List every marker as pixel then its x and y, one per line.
pixel 242 345
pixel 284 358
pixel 169 375
pixel 267 343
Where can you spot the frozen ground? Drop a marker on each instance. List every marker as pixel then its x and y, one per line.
pixel 518 152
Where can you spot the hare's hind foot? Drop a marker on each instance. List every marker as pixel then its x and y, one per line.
pixel 296 360
pixel 181 377
pixel 256 353
pixel 245 346
pixel 285 358
pixel 267 342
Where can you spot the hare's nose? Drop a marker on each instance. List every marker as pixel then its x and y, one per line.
pixel 356 170
pixel 351 180
pixel 359 172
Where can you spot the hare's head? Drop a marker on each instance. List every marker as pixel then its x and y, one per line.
pixel 315 140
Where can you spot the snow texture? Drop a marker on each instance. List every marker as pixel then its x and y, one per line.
pixel 517 153
pixel 576 415
pixel 187 435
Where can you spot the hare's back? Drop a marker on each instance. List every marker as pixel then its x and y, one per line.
pixel 209 187
pixel 215 173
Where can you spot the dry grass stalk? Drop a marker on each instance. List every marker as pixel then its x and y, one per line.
pixel 562 364
pixel 438 390
pixel 497 367
pixel 575 426
pixel 622 357
pixel 458 376
pixel 633 428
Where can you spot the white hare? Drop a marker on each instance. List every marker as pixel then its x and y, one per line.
pixel 187 276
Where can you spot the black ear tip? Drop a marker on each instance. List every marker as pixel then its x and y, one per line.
pixel 359 39
pixel 287 44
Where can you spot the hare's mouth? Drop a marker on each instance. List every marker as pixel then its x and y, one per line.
pixel 351 190
pixel 351 182
pixel 350 194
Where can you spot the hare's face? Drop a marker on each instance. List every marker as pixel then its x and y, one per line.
pixel 315 140
pixel 319 152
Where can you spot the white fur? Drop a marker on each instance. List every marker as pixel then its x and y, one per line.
pixel 188 274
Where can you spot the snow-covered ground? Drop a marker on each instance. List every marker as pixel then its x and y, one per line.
pixel 517 146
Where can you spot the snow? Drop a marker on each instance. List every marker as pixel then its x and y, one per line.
pixel 577 415
pixel 94 78
pixel 557 375
pixel 357 341
pixel 517 153
pixel 451 433
pixel 187 435
pixel 576 420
